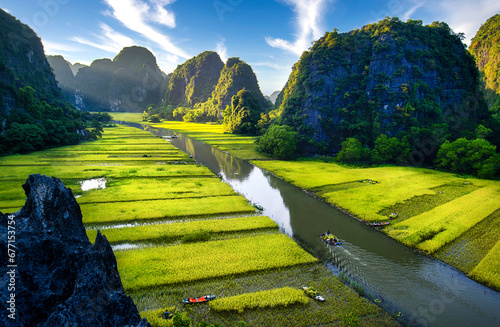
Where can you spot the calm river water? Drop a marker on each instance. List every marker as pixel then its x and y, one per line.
pixel 426 291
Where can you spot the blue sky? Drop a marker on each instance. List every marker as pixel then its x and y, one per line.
pixel 270 35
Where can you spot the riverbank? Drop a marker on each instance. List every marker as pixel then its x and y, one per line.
pixel 454 219
pixel 185 231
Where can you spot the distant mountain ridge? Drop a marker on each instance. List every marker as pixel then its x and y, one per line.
pixel 129 82
pixel 273 97
pixel 64 75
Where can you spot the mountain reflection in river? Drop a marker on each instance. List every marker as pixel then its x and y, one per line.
pixel 426 291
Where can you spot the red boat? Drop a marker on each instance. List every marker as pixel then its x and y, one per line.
pixel 204 298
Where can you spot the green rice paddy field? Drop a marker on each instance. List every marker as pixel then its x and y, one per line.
pixel 213 134
pixel 453 218
pixel 180 232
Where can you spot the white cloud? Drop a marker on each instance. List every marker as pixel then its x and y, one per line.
pixel 54 48
pixel 167 62
pixel 409 12
pixel 137 15
pixel 270 65
pixel 108 40
pixel 308 17
pixel 222 50
pixel 160 15
pixel 6 10
pixel 463 15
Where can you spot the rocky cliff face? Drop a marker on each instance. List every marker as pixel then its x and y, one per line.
pixel 485 47
pixel 51 274
pixel 194 81
pixel 64 74
pixel 234 77
pixel 22 63
pixel 129 82
pixel 382 79
pixel 92 85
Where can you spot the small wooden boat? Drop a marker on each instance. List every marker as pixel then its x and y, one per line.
pixel 204 298
pixel 380 224
pixel 258 207
pixel 311 292
pixel 330 239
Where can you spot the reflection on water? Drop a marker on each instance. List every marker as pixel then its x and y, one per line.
pixel 124 247
pixel 426 291
pixel 93 184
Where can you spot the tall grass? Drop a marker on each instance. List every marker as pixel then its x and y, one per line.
pixel 135 189
pixel 435 228
pixel 264 299
pixel 170 232
pixel 154 267
pixel 488 270
pixel 116 212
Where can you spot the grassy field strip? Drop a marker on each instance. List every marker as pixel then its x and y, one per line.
pixel 117 212
pixel 366 204
pixel 89 171
pixel 437 227
pixel 66 153
pixel 139 189
pixel 320 173
pixel 154 267
pixel 488 270
pixel 343 307
pixel 170 232
pixel 420 204
pixel 264 299
pixel 471 247
pixel 155 318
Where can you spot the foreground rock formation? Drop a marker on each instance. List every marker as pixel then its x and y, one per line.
pixel 51 275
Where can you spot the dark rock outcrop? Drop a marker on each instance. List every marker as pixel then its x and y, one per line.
pixel 61 279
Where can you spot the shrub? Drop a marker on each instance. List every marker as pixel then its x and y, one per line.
pixel 352 151
pixel 476 157
pixel 279 141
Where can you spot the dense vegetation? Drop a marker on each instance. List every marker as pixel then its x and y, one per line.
pixel 33 114
pixel 243 115
pixel 185 101
pixel 485 47
pixel 399 89
pixel 194 81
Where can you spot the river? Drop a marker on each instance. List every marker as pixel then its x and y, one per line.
pixel 426 291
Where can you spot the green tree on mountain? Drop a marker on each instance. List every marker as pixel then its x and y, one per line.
pixel 242 116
